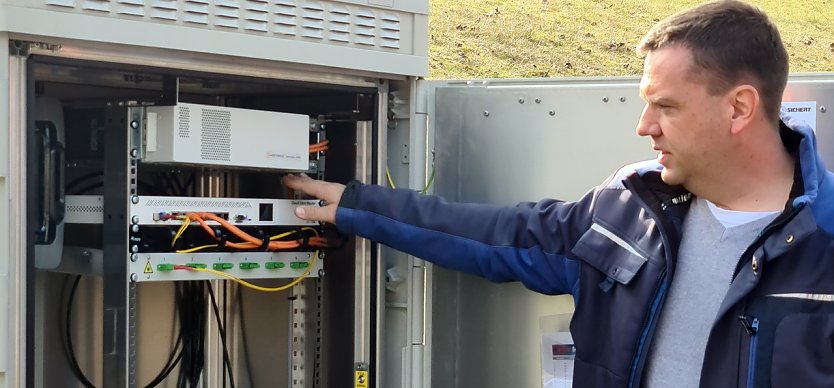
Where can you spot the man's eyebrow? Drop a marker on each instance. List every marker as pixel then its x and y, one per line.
pixel 665 101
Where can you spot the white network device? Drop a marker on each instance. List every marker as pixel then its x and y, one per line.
pixel 159 211
pixel 216 135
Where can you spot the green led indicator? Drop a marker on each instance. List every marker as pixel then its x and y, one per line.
pixel 249 265
pixel 223 266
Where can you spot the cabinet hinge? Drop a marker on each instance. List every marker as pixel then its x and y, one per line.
pixel 22 48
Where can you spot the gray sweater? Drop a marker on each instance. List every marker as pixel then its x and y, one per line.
pixel 707 258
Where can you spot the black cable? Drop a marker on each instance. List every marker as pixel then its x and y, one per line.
pixel 164 374
pixel 244 340
pixel 191 300
pixel 222 330
pixel 76 369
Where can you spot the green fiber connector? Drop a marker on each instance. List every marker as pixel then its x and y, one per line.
pixel 299 264
pixel 249 265
pixel 274 265
pixel 196 265
pixel 223 266
pixel 164 267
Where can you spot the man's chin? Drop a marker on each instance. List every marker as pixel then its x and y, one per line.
pixel 669 177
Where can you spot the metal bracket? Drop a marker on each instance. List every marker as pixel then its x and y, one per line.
pixel 404 157
pixel 170 90
pixel 22 48
pixel 19 48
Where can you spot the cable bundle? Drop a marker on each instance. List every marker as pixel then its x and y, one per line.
pixel 319 147
pixel 249 242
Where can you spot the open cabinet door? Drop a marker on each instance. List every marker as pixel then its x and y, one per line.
pixel 504 142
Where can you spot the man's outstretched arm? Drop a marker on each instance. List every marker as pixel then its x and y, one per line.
pixel 528 242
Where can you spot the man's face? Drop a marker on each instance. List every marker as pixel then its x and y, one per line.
pixel 688 126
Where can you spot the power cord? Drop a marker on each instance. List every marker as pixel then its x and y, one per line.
pixel 226 362
pixel 76 369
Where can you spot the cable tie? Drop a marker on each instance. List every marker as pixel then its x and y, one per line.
pixel 305 242
pixel 221 242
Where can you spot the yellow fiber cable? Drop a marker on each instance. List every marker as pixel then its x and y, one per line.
pixel 195 249
pixel 200 248
pixel 255 286
pixel 282 235
pixel 180 231
pixel 390 180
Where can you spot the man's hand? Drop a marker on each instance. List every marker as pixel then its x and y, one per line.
pixel 328 192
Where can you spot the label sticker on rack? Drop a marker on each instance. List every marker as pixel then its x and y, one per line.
pixel 361 379
pixel 148 267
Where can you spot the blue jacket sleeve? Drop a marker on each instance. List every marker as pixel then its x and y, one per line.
pixel 530 242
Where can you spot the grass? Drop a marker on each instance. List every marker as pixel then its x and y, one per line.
pixel 541 38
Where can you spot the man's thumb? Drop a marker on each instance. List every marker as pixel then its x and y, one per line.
pixel 311 213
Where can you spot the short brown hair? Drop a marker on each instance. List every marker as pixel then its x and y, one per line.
pixel 731 42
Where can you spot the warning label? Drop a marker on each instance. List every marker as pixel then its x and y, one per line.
pixel 800 112
pixel 148 267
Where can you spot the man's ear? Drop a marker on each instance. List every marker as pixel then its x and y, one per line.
pixel 744 100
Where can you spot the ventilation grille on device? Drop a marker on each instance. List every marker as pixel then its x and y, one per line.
pixel 184 118
pixel 84 208
pixel 217 132
pixel 197 203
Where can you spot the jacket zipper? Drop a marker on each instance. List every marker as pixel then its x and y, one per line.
pixel 659 295
pixel 751 325
pixel 663 281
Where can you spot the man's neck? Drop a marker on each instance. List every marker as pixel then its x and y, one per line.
pixel 758 180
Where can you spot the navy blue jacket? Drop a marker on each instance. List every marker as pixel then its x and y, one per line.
pixel 615 249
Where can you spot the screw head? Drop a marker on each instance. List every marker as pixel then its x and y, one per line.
pixel 134 153
pixel 622 99
pixel 538 100
pixel 134 124
pixel 134 199
pixel 486 113
pixel 823 109
pixel 605 99
pixel 520 100
pixel 134 220
pixel 552 112
pixel 321 273
pixel 134 228
pixel 134 277
pixel 134 257
pixel 134 248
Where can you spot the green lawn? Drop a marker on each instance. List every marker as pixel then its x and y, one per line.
pixel 536 38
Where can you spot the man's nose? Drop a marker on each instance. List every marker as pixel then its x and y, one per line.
pixel 648 125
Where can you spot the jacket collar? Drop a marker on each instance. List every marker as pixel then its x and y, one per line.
pixel 814 185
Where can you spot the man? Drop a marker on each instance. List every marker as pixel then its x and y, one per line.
pixel 711 266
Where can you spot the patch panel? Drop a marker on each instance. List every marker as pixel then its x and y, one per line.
pixel 152 267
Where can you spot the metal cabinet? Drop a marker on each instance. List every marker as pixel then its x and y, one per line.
pixel 373 317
